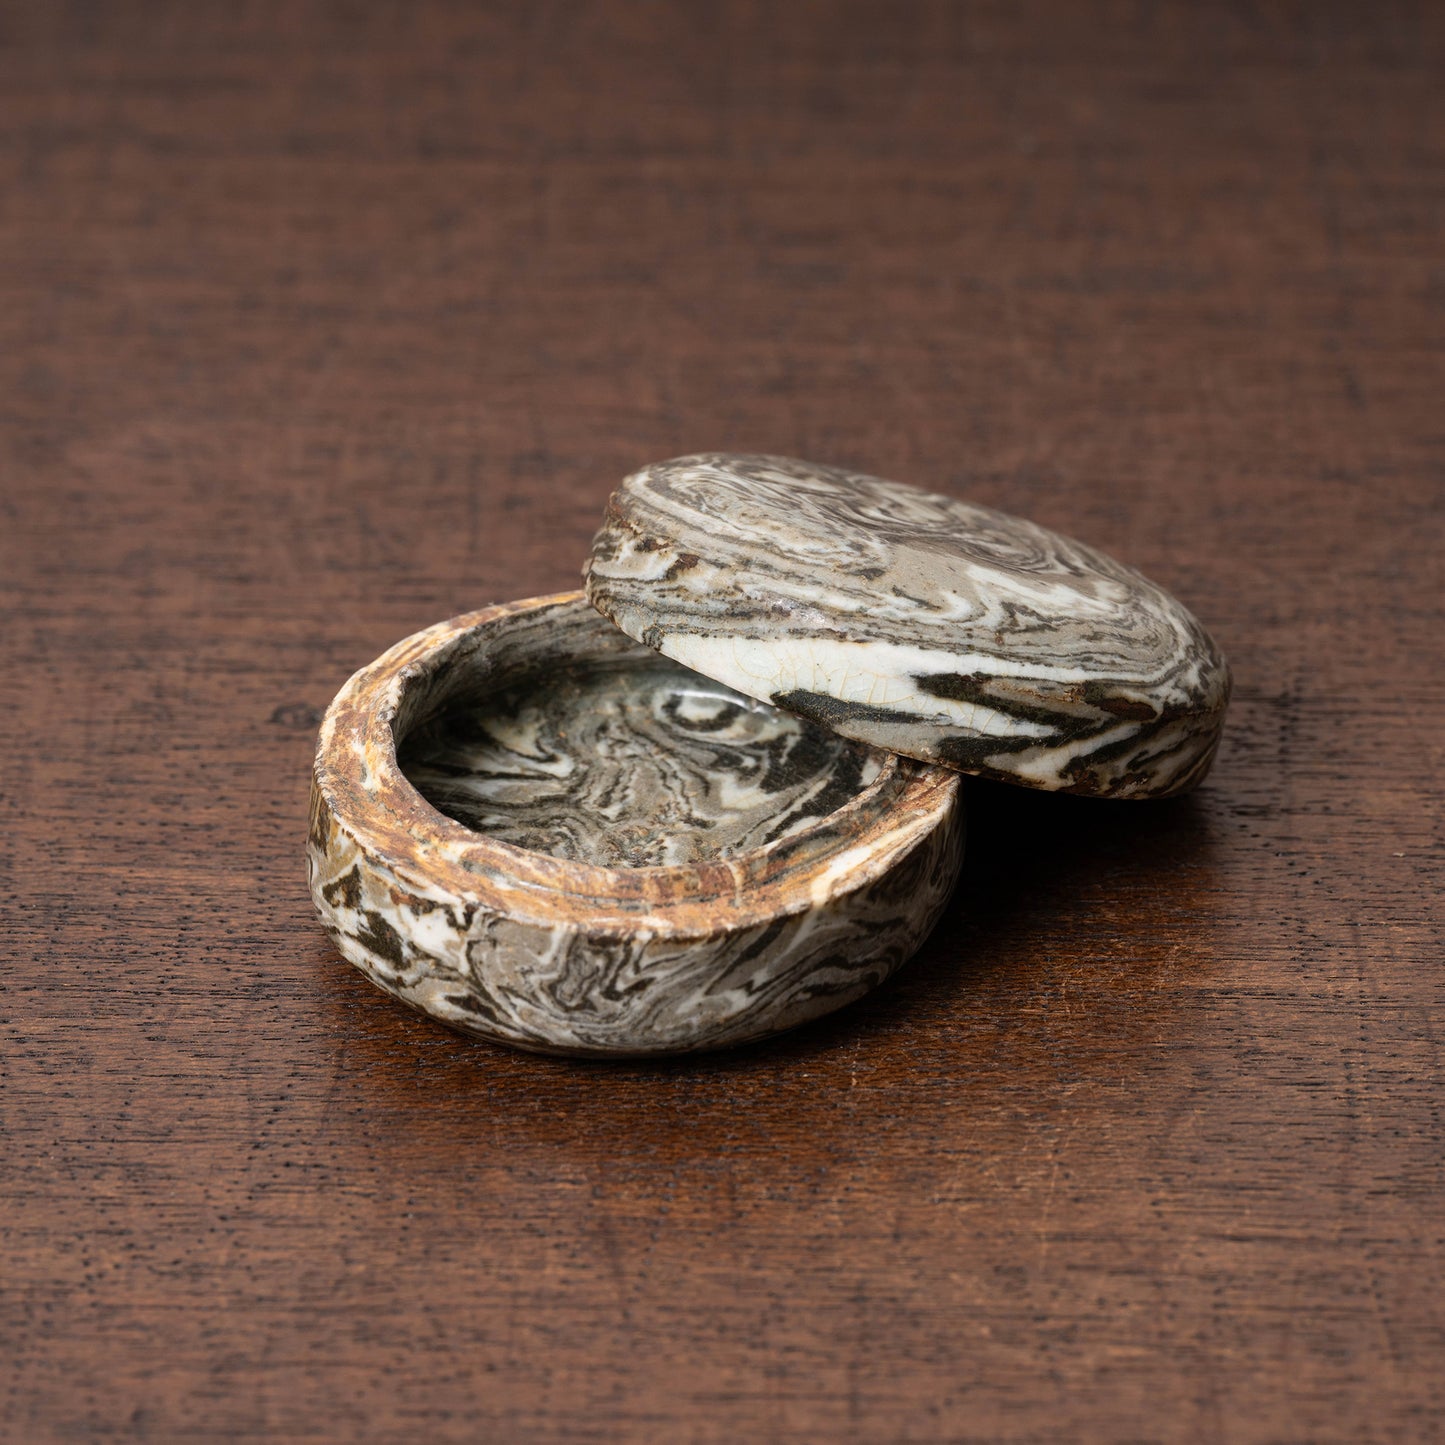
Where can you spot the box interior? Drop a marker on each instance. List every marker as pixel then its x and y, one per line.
pixel 618 757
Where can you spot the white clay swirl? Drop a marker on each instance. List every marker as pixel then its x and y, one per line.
pixel 919 623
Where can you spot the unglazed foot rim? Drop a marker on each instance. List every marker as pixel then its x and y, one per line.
pixel 561 956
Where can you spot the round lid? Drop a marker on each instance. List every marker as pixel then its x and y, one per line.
pixel 914 622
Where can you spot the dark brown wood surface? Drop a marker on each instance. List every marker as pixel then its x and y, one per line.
pixel 322 322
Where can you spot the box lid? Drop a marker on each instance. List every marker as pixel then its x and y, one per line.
pixel 914 622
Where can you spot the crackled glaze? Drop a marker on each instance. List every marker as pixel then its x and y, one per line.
pixel 545 952
pixel 913 622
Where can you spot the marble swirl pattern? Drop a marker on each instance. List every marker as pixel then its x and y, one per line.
pixel 633 765
pixel 545 953
pixel 914 622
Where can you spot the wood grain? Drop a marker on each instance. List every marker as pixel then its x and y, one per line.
pixel 322 322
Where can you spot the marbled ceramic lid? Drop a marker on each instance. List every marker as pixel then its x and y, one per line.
pixel 914 622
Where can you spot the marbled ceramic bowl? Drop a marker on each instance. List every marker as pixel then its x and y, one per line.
pixel 538 831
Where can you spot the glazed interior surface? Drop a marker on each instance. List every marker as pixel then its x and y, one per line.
pixel 630 761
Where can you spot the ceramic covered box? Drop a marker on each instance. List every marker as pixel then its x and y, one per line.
pixel 719 793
